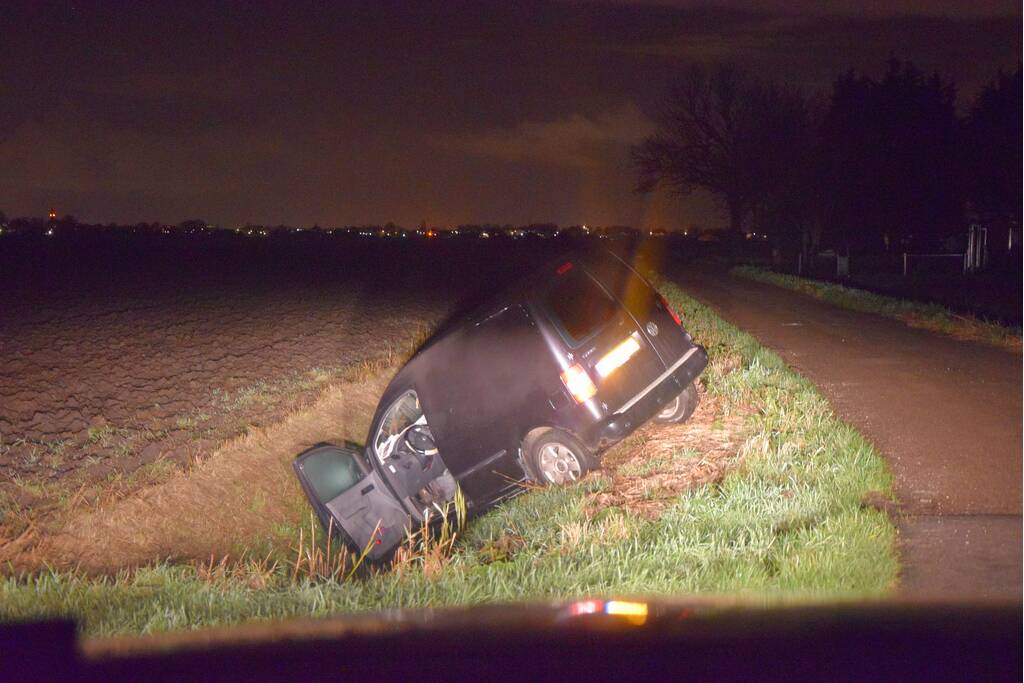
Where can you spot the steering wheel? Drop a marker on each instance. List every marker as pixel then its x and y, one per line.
pixel 421 442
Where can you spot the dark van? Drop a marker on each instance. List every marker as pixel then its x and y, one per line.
pixel 533 386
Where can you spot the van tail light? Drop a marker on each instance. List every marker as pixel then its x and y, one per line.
pixel 578 382
pixel 671 312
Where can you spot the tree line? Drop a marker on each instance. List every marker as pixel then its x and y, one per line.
pixel 882 164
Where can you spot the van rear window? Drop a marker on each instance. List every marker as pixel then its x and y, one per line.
pixel 626 286
pixel 579 305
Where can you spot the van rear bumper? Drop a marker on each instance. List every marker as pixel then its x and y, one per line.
pixel 647 403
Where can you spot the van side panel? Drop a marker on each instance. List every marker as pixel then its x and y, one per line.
pixel 475 385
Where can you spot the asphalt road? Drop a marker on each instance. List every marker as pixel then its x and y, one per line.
pixel 945 413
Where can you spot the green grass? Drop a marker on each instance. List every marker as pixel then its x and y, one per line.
pixel 915 313
pixel 786 525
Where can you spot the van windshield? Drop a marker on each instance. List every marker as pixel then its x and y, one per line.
pixel 579 306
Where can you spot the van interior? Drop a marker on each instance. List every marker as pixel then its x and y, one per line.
pixel 404 446
pixel 350 496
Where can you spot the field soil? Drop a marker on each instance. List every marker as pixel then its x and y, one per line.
pixel 118 351
pixel 106 384
pixel 125 364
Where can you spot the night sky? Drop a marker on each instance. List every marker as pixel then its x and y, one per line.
pixel 376 112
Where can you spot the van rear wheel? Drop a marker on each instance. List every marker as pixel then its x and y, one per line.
pixel 557 457
pixel 681 407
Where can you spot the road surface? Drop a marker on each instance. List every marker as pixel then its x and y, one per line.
pixel 945 413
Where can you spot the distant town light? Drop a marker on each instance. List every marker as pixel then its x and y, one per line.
pixel 52 215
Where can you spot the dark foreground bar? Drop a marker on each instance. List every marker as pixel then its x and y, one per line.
pixel 586 640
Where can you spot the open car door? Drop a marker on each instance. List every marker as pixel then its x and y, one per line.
pixel 351 499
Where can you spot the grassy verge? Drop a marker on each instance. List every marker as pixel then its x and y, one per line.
pixel 915 313
pixel 786 524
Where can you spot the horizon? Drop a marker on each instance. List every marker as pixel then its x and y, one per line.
pixel 463 114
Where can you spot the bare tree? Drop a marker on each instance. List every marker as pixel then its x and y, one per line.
pixel 725 133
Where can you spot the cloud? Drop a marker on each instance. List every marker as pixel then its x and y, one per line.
pixel 577 141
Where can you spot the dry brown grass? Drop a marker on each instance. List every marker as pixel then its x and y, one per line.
pixel 647 472
pixel 256 574
pixel 429 549
pixel 607 531
pixel 329 560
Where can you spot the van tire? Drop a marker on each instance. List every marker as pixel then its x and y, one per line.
pixel 681 408
pixel 555 457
